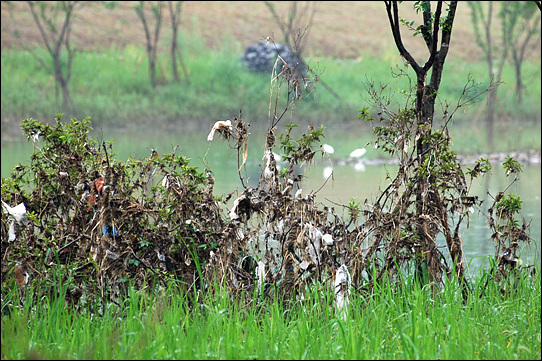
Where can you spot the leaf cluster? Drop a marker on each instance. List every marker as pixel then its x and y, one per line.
pixel 105 222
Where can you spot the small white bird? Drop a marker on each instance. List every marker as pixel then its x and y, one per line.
pixel 359 167
pixel 219 125
pixel 328 148
pixel 358 153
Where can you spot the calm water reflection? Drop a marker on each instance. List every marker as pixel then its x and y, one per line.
pixel 360 182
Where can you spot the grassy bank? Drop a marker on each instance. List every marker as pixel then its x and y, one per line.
pixel 113 87
pixel 403 322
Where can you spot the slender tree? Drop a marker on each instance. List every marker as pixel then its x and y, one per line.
pixel 175 50
pixel 434 24
pixel 495 54
pixel 54 21
pixel 151 39
pixel 524 27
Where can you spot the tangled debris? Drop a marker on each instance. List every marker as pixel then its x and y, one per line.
pixel 104 225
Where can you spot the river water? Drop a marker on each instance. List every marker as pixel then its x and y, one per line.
pixel 360 180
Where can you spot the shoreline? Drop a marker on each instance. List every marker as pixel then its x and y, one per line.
pixel 526 158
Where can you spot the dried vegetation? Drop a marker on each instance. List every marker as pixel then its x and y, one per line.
pixel 103 225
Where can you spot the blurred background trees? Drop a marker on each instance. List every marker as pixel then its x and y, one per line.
pixel 519 23
pixel 174 33
pixel 54 21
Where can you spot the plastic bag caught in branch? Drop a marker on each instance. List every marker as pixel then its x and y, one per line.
pixel 342 290
pixel 221 125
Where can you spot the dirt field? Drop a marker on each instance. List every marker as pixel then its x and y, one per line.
pixel 340 29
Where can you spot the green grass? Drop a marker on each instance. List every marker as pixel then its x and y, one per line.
pixel 113 88
pixel 403 322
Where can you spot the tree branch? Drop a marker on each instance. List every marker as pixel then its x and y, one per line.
pixel 279 22
pixel 434 38
pixel 394 24
pixel 427 36
pixel 436 74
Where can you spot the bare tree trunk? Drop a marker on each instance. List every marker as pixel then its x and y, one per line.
pixel 151 43
pixel 518 55
pixel 522 22
pixel 175 50
pixel 495 58
pixel 493 91
pixel 490 118
pixel 65 94
pixel 519 82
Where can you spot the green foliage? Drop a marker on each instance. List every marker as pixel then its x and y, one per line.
pixel 508 232
pixel 365 115
pixel 424 7
pixel 393 136
pixel 354 209
pixel 160 225
pixel 511 166
pixel 85 210
pixel 482 166
pixel 509 204
pixel 300 149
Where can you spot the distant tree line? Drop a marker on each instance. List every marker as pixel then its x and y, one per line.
pixel 519 22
